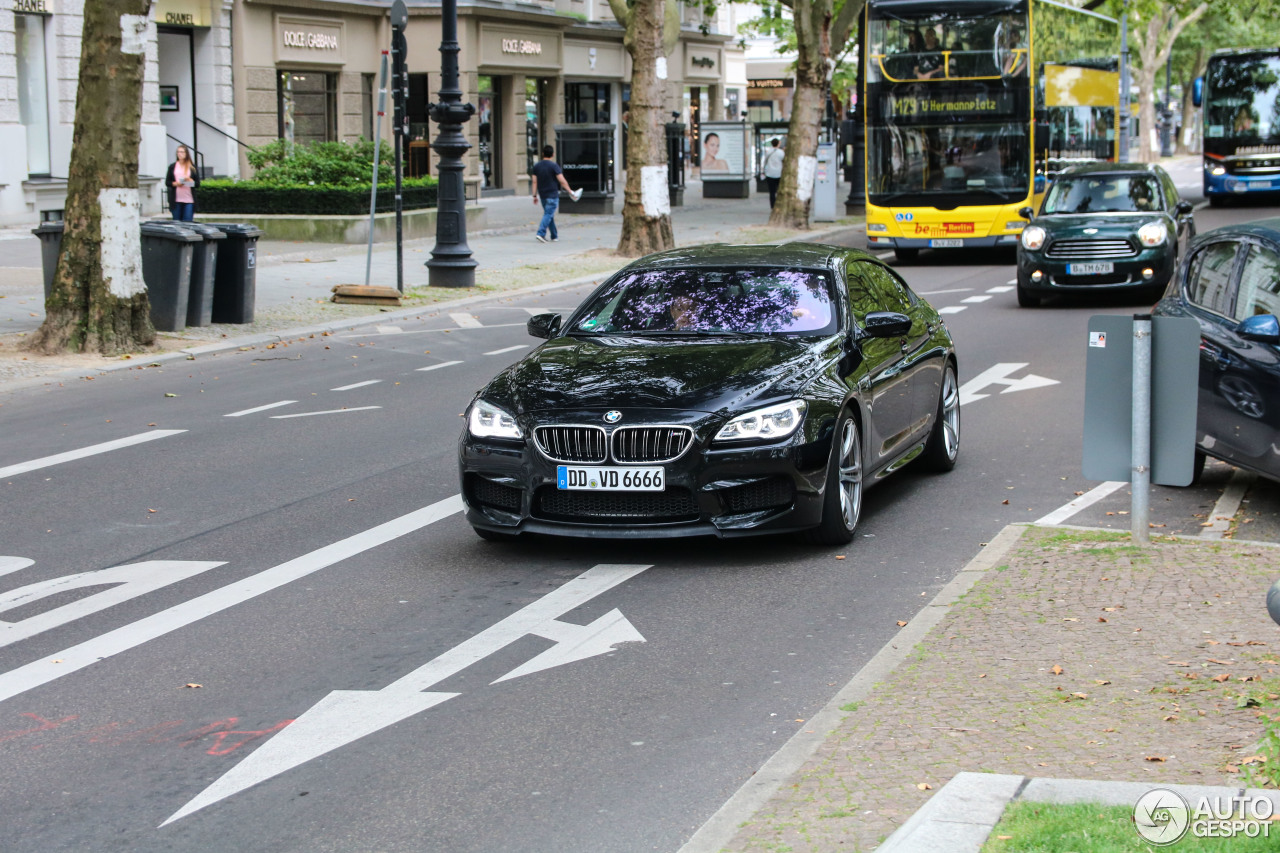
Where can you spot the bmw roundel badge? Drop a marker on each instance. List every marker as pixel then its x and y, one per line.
pixel 612 416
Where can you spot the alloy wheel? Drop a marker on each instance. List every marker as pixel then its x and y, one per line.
pixel 850 475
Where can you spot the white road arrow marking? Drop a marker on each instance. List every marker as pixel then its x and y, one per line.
pixel 345 716
pixel 998 374
pixel 8 565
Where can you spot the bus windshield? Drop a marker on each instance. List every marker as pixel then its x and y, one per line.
pixel 1243 98
pixel 970 162
pixel 942 44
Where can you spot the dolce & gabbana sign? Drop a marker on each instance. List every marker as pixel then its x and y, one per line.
pixel 523 46
pixel 33 7
pixel 309 40
pixel 518 48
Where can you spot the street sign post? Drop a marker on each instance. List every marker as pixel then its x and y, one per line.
pixel 399 96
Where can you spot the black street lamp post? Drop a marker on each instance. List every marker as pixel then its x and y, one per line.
pixel 451 264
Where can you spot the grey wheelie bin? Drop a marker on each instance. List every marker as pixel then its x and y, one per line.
pixel 167 252
pixel 50 234
pixel 204 263
pixel 236 278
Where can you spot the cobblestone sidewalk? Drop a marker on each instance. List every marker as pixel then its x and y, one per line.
pixel 1077 656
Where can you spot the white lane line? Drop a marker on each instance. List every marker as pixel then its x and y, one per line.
pixel 1004 288
pixel 92 450
pixel 465 321
pixel 975 299
pixel 435 330
pixel 1088 499
pixel 534 312
pixel 326 412
pixel 506 349
pixel 1012 281
pixel 952 309
pixel 24 678
pixel 1228 504
pixel 257 409
pixel 356 385
pixel 438 366
pixel 951 290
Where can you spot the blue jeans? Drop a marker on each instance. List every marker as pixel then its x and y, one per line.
pixel 184 211
pixel 549 208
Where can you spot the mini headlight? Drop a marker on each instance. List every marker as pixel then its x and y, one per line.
pixel 1032 237
pixel 488 421
pixel 1153 234
pixel 877 226
pixel 764 424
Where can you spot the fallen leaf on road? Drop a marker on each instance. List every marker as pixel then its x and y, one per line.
pixel 1229 769
pixel 167 394
pixel 1213 642
pixel 1192 675
pixel 1101 681
pixel 192 685
pixel 1070 619
pixel 1179 663
pixel 151 510
pixel 1108 610
pixel 1080 695
pixel 1057 670
pixel 1226 676
pixel 1078 494
pixel 924 786
pixel 1223 662
pixel 1004 502
pixel 1255 643
pixel 1172 718
pixel 840 556
pixel 1157 758
pixel 901 624
pixel 1101 619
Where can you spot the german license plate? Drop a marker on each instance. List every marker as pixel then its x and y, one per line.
pixel 946 244
pixel 1101 268
pixel 611 479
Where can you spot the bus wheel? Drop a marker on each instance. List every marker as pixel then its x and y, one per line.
pixel 906 255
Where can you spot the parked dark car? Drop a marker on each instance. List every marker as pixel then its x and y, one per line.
pixel 1230 285
pixel 1103 226
pixel 722 390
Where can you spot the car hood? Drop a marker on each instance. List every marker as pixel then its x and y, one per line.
pixel 706 375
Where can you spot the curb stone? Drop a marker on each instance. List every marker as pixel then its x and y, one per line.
pixel 720 829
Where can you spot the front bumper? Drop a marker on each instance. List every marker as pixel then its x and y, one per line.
pixel 881 241
pixel 511 487
pixel 1126 276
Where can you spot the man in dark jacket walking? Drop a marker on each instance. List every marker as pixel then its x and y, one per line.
pixel 548 180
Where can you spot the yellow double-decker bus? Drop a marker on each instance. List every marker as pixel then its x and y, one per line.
pixel 972 105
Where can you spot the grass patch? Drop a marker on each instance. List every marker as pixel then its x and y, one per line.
pixel 851 707
pixel 1073 537
pixel 1089 828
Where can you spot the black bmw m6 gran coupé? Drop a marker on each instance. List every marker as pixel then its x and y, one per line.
pixel 720 390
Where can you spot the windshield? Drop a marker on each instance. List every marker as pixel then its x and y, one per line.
pixel 920 42
pixel 968 163
pixel 1243 98
pixel 701 300
pixel 1103 194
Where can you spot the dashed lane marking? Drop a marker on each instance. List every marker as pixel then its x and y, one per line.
pixel 326 412
pixel 466 321
pixel 438 366
pixel 356 385
pixel 949 290
pixel 1004 288
pixel 1012 281
pixel 506 349
pixel 975 299
pixel 256 409
pixel 884 255
pixel 952 309
pixel 92 450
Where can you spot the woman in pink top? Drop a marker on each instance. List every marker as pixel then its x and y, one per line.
pixel 181 181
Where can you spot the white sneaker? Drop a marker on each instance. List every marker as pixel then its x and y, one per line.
pixel 539 238
pixel 576 194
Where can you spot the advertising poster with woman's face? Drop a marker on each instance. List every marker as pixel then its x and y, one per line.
pixel 722 151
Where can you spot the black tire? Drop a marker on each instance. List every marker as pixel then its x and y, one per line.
pixel 494 536
pixel 1026 299
pixel 943 446
pixel 1217 201
pixel 906 255
pixel 842 497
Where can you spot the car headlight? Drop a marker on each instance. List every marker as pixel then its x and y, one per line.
pixel 1153 234
pixel 488 421
pixel 877 226
pixel 1032 237
pixel 766 424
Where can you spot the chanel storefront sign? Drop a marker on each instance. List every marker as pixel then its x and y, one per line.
pixel 33 7
pixel 182 13
pixel 308 39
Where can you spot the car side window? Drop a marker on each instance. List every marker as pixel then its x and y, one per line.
pixel 1209 277
pixel 889 293
pixel 1259 291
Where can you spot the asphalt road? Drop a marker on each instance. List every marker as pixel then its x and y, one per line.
pixel 302 529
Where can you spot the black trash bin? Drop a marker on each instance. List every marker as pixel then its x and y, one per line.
pixel 50 234
pixel 237 273
pixel 204 264
pixel 167 252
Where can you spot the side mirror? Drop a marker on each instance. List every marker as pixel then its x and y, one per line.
pixel 1026 213
pixel 886 324
pixel 544 325
pixel 1184 207
pixel 1263 328
pixel 1197 91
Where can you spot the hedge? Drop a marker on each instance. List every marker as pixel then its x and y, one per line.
pixel 248 197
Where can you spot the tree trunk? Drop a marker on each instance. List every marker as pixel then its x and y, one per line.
pixel 99 302
pixel 812 19
pixel 646 207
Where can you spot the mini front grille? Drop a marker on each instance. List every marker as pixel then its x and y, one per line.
pixel 762 494
pixel 488 493
pixel 673 505
pixel 585 444
pixel 650 443
pixel 1090 250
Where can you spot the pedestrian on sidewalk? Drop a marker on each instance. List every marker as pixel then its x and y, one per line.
pixel 773 170
pixel 548 180
pixel 181 181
